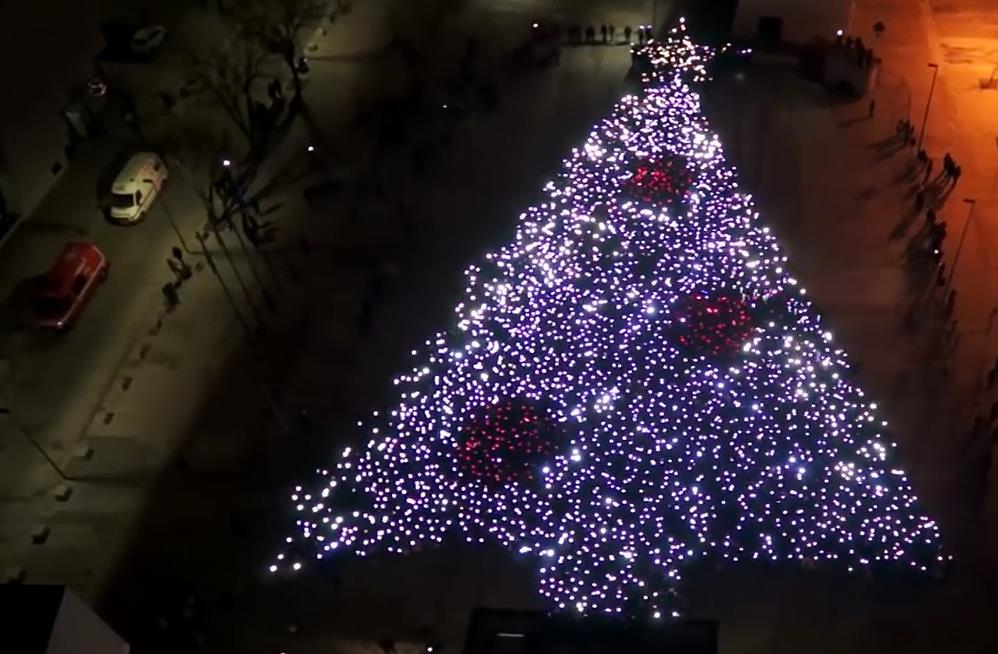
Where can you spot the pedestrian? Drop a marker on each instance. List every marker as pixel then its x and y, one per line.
pixel 172 297
pixel 930 221
pixel 641 36
pixel 613 32
pixel 603 32
pixel 873 107
pixel 177 271
pixel 936 237
pixel 590 34
pixel 950 302
pixel 928 172
pixel 185 268
pixel 627 33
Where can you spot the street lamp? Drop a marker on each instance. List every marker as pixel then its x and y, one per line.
pixel 928 103
pixel 959 247
pixel 41 450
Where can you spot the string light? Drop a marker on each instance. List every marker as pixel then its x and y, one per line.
pixel 635 383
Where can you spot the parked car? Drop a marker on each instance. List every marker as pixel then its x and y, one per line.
pixel 147 40
pixel 68 285
pixel 136 186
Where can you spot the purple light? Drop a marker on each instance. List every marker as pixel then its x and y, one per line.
pixel 632 384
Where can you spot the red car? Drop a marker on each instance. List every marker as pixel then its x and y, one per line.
pixel 68 285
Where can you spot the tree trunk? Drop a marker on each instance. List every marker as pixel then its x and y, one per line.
pixel 289 59
pixel 235 271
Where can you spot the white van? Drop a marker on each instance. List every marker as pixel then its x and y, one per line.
pixel 138 183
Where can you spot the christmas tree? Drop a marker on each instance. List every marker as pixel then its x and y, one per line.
pixel 634 384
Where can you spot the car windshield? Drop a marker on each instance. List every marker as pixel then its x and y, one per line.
pixel 51 306
pixel 122 200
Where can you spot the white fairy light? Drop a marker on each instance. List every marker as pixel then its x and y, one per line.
pixel 645 444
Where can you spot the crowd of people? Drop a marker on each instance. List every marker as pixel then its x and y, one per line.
pixel 856 49
pixel 930 193
pixel 577 35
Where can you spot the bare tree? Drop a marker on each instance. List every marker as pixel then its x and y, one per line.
pixel 228 75
pixel 279 25
pixel 204 155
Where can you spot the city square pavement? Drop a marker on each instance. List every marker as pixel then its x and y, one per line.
pixel 208 433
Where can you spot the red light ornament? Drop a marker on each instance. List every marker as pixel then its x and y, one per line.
pixel 505 442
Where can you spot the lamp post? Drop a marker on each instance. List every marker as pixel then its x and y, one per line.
pixel 959 246
pixel 41 450
pixel 928 103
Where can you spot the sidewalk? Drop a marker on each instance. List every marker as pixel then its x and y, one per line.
pixel 833 187
pixel 961 122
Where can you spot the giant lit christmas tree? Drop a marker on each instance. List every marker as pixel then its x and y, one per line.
pixel 634 384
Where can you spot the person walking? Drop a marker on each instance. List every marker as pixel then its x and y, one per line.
pixel 873 107
pixel 171 296
pixel 947 165
pixel 627 33
pixel 185 268
pixel 603 32
pixel 613 32
pixel 590 34
pixel 177 271
pixel 930 221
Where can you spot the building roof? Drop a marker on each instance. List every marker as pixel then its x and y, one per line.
pixel 29 614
